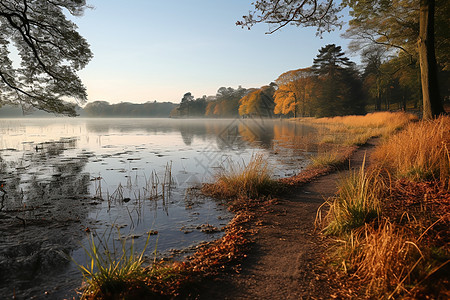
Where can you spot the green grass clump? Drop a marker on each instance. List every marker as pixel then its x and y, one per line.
pixel 110 273
pixel 357 202
pixel 250 181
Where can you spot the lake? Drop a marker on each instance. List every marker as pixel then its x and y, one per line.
pixel 67 179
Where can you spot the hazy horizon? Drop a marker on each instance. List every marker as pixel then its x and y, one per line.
pixel 159 51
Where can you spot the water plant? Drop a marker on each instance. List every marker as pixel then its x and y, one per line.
pixel 111 272
pixel 250 180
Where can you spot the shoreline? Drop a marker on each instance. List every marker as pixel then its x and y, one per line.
pixel 264 270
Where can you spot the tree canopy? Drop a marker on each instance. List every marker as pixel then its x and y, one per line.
pixel 321 14
pixel 401 24
pixel 338 83
pixel 258 102
pixel 330 60
pixel 50 50
pixel 295 93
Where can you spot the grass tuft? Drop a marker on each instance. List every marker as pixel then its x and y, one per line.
pixel 111 273
pixel 356 203
pixel 249 181
pixel 384 259
pixel 328 158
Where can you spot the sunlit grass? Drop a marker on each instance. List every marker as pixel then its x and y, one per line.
pixel 328 158
pixel 391 120
pixel 239 180
pixel 421 151
pixel 383 258
pixel 357 130
pixel 392 219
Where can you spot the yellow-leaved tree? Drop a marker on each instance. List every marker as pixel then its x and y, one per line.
pixel 295 93
pixel 258 102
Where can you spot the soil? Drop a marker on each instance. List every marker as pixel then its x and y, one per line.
pixel 287 259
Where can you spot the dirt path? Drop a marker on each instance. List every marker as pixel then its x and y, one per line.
pixel 286 260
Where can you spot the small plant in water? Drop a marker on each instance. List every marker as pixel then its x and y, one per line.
pixel 251 180
pixel 111 273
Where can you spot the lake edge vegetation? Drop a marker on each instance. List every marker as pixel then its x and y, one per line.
pixel 246 198
pixel 391 221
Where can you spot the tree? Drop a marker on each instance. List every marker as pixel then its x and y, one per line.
pixel 432 105
pixel 295 92
pixel 406 26
pixel 209 111
pixel 258 102
pixel 372 59
pixel 323 15
pixel 338 83
pixel 330 60
pixel 51 51
pixel 185 104
pixel 227 101
pixel 307 13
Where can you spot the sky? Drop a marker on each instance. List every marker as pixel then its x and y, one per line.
pixel 147 50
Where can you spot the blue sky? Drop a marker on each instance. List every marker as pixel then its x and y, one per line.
pixel 146 50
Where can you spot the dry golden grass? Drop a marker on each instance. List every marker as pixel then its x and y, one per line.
pixel 384 259
pixel 421 151
pixel 394 120
pixel 406 252
pixel 251 181
pixel 357 130
pixel 328 158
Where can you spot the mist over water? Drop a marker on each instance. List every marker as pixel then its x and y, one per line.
pixel 67 178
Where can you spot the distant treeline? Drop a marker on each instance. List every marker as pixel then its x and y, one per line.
pixel 99 109
pixel 130 110
pixel 332 86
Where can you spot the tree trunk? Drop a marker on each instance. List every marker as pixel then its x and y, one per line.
pixel 432 105
pixel 378 100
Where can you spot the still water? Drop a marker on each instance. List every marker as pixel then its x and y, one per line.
pixel 67 179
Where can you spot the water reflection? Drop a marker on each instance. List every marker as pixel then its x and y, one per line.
pixel 66 177
pixel 44 205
